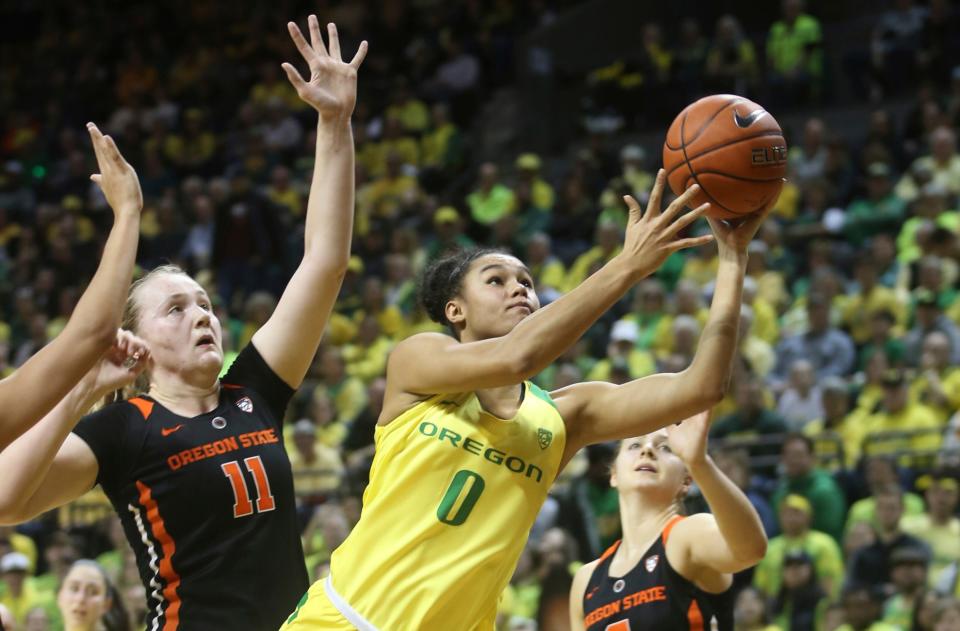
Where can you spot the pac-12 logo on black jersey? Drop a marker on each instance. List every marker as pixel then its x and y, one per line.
pixel 245 404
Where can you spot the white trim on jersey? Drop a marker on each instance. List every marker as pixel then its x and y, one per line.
pixel 344 607
pixel 157 589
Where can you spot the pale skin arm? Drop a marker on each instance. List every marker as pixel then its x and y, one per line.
pixel 433 363
pixel 736 536
pixel 599 411
pixel 48 466
pixel 46 378
pixel 288 341
pixel 577 592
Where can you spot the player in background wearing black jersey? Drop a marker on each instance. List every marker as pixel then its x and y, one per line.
pixel 44 379
pixel 669 571
pixel 195 466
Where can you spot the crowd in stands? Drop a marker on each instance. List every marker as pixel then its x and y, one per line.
pixel 841 423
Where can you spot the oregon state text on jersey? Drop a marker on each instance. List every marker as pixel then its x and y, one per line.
pixel 453 493
pixel 651 596
pixel 207 502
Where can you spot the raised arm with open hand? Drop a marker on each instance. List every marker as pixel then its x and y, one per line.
pixel 289 339
pixel 32 391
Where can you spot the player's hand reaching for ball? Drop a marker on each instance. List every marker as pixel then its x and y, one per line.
pixel 688 438
pixel 116 178
pixel 332 87
pixel 119 366
pixel 653 235
pixel 734 235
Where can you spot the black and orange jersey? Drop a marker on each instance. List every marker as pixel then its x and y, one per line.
pixel 207 502
pixel 652 596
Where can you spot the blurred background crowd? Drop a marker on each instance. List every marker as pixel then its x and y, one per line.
pixel 521 125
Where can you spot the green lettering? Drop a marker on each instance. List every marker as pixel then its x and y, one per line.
pixel 453 436
pixel 428 425
pixel 531 468
pixel 470 444
pixel 520 463
pixel 494 455
pixel 453 493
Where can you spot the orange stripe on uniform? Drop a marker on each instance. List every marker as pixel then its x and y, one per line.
pixel 230 386
pixel 694 617
pixel 609 551
pixel 145 407
pixel 676 519
pixel 167 573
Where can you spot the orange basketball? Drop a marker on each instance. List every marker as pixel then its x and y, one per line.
pixel 733 148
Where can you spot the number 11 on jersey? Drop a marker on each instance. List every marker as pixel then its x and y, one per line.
pixel 242 506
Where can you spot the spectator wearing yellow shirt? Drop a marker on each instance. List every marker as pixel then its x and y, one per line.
pixel 547 270
pixel 408 109
pixel 771 287
pixel 857 307
pixel 442 146
pixel 938 384
pixel 622 347
pixel 17 593
pixel 701 267
pixel 863 608
pixel 751 612
pixel 374 303
pixel 395 141
pixel 391 192
pixel 608 241
pixel 757 353
pixel 938 526
pixel 348 394
pixel 943 163
pixel 765 322
pixel 881 473
pixel 795 515
pixel 316 467
pixel 271 86
pixel 528 172
pixel 329 430
pixel 491 200
pixel 633 173
pixel 687 301
pixel 794 55
pixel 283 194
pixel 366 356
pixel 898 414
pixel 731 64
pixel 837 434
pixel 192 150
pixel 448 233
pixel 22 544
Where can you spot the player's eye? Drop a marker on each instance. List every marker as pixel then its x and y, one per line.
pixel 205 306
pixel 494 280
pixel 633 446
pixel 526 282
pixel 174 309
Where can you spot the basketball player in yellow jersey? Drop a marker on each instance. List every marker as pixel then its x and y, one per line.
pixel 466 447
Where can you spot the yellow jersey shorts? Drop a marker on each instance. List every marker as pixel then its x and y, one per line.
pixel 316 612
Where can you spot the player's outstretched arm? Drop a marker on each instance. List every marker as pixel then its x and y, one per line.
pixel 289 340
pixel 599 411
pixel 433 363
pixel 736 536
pixel 43 380
pixel 48 466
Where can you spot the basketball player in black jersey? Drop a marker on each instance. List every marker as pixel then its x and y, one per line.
pixel 195 466
pixel 668 571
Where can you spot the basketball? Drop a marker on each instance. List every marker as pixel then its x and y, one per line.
pixel 733 148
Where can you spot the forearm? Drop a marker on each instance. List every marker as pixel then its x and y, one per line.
pixel 543 336
pixel 737 520
pixel 712 364
pixel 27 460
pixel 329 223
pixel 48 376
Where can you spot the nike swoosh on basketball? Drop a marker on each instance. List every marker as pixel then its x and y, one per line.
pixel 166 431
pixel 745 121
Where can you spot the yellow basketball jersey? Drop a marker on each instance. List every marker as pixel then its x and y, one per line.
pixel 453 494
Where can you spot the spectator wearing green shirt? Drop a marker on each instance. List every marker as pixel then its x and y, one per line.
pixel 448 228
pixel 880 472
pixel 491 200
pixel 794 55
pixel 795 516
pixel 801 477
pixel 880 211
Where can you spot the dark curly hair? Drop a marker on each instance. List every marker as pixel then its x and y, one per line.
pixel 443 279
